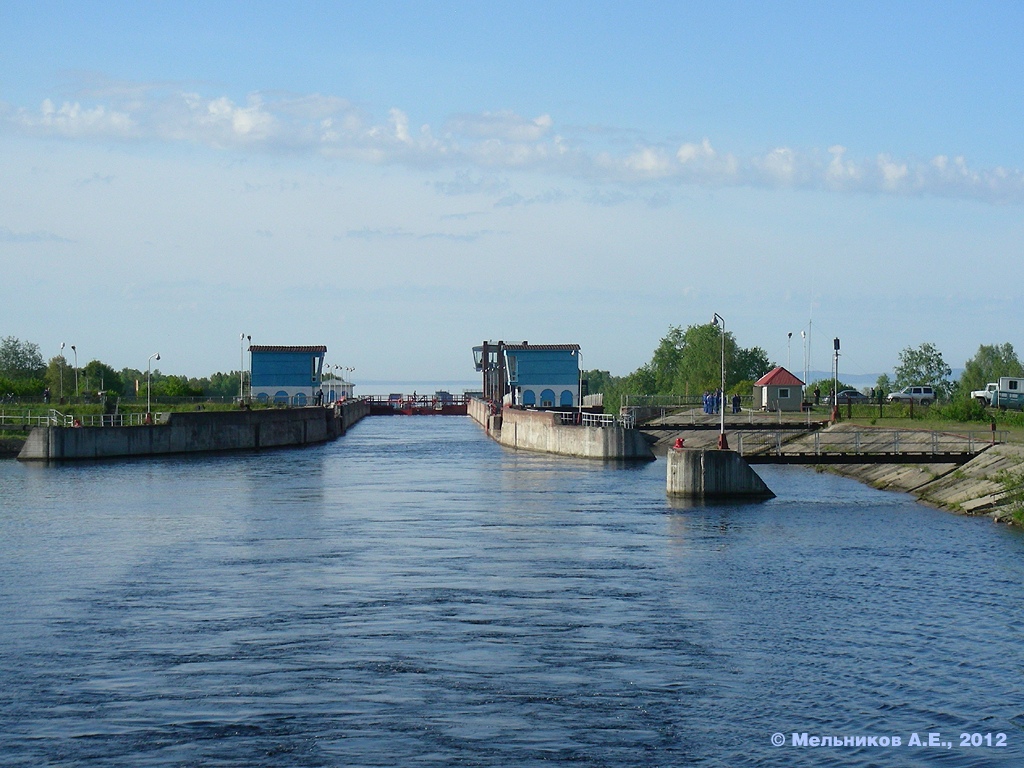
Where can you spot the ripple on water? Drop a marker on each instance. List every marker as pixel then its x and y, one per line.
pixel 413 594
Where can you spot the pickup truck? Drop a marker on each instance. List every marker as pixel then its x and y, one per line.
pixel 1009 394
pixel 984 396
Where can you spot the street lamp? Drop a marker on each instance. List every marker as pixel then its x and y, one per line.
pixel 76 369
pixel 723 444
pixel 241 368
pixel 62 371
pixel 149 382
pixel 579 386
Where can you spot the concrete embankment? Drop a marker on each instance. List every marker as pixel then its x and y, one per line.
pixel 542 431
pixel 974 488
pixel 195 432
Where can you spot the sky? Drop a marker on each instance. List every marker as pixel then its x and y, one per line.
pixel 402 180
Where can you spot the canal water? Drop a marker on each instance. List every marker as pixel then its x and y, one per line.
pixel 415 595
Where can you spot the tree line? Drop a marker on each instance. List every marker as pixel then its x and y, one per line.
pixel 689 362
pixel 24 373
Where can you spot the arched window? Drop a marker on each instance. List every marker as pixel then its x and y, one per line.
pixel 281 397
pixel 529 397
pixel 547 398
pixel 300 399
pixel 565 398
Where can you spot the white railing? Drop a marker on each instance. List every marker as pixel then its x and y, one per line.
pixel 116 419
pixel 23 420
pixel 57 419
pixel 601 420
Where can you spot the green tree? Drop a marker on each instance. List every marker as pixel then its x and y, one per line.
pixel 175 386
pixel 989 363
pixel 667 358
pixel 101 377
pixel 924 366
pixel 701 360
pixel 749 365
pixel 20 359
pixel 60 377
pixel 596 381
pixel 224 385
pixel 134 381
pixel 883 384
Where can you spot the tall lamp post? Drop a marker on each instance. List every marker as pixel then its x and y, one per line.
pixel 73 349
pixel 149 383
pixel 579 390
pixel 241 368
pixel 835 381
pixel 723 444
pixel 62 363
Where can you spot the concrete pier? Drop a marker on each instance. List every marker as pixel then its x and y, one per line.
pixel 542 431
pixel 195 432
pixel 704 474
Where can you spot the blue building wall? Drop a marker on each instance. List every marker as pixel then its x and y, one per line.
pixel 287 375
pixel 544 377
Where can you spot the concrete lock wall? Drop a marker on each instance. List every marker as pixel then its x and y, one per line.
pixel 542 431
pixel 195 432
pixel 712 474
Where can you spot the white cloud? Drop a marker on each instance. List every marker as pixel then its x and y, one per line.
pixel 488 143
pixel 504 126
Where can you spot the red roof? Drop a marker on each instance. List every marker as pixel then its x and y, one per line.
pixel 778 377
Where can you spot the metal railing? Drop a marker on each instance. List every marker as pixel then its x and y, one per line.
pixel 26 419
pixel 866 442
pixel 601 420
pixel 57 419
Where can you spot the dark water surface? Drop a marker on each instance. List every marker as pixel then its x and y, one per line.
pixel 415 595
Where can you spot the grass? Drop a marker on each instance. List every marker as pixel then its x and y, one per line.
pixel 898 417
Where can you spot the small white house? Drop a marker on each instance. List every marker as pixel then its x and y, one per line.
pixel 778 390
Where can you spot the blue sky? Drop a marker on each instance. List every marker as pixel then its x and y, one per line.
pixel 400 181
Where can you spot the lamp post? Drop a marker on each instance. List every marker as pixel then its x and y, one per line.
pixel 62 371
pixel 73 349
pixel 579 386
pixel 241 368
pixel 803 337
pixel 723 444
pixel 149 383
pixel 835 381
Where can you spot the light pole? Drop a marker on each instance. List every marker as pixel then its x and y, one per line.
pixel 579 390
pixel 241 368
pixel 835 381
pixel 149 383
pixel 803 337
pixel 76 369
pixel 789 352
pixel 723 444
pixel 62 371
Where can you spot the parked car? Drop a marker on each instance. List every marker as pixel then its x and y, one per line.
pixel 848 396
pixel 920 395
